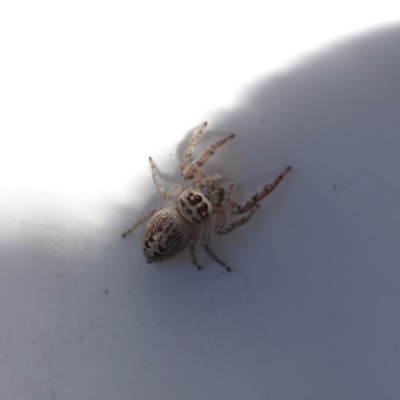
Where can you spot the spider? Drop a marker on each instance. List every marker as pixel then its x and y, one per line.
pixel 193 207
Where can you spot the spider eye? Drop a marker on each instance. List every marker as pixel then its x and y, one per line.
pixel 197 198
pixel 202 211
pixel 204 207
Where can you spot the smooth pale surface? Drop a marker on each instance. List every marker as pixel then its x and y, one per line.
pixel 88 90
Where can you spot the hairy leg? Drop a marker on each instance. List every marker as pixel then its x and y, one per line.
pixel 188 153
pixel 190 171
pixel 229 228
pixel 256 198
pixel 157 181
pixel 141 221
pixel 206 245
pixel 192 244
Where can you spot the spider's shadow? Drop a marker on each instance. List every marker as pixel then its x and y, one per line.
pixel 311 265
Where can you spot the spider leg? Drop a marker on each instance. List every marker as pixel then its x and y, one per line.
pixel 220 219
pixel 229 228
pixel 188 153
pixel 228 192
pixel 211 150
pixel 192 244
pixel 206 245
pixel 229 189
pixel 191 169
pixel 157 181
pixel 141 221
pixel 256 198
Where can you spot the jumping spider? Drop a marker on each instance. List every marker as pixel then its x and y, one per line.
pixel 176 225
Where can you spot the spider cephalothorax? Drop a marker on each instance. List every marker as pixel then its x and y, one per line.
pixel 178 224
pixel 194 206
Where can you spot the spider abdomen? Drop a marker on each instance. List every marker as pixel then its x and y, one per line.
pixel 167 234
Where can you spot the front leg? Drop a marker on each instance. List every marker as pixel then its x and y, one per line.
pixel 192 244
pixel 193 171
pixel 206 245
pixel 229 228
pixel 193 141
pixel 264 192
pixel 157 181
pixel 141 221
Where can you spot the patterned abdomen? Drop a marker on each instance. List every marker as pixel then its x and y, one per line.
pixel 167 234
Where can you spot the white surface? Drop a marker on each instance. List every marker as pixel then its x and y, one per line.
pixel 89 89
